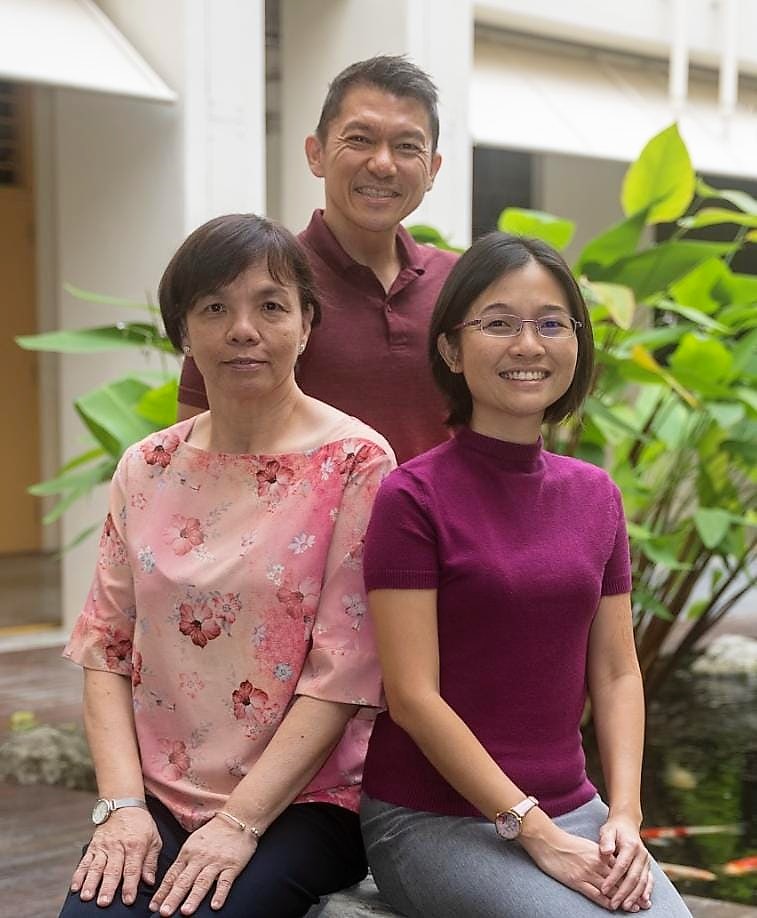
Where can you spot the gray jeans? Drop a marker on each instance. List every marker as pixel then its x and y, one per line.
pixel 432 866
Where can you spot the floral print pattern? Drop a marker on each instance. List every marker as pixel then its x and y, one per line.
pixel 225 587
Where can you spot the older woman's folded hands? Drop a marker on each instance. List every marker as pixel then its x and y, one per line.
pixel 214 853
pixel 126 846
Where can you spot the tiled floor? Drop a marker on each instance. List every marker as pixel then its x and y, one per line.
pixel 42 828
pixel 30 591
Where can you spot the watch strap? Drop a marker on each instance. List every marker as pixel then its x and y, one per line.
pixel 525 806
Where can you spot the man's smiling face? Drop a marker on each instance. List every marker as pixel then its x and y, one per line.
pixel 376 160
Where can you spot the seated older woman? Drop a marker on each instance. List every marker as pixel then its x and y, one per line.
pixel 230 672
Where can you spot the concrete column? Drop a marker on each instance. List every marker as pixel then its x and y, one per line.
pixel 321 37
pixel 129 179
pixel 224 106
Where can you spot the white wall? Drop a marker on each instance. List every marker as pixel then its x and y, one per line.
pixel 581 189
pixel 643 27
pixel 125 180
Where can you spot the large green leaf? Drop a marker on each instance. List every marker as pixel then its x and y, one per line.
pixel 712 525
pixel 109 414
pixel 662 178
pixel 713 216
pixel 554 230
pixel 697 356
pixel 90 296
pixel 693 315
pixel 427 235
pixel 617 242
pixel 653 270
pixel 706 287
pixel 740 199
pixel 743 289
pixel 618 300
pixel 93 340
pixel 158 405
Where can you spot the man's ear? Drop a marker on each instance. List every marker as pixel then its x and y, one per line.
pixel 314 154
pixel 436 162
pixel 450 353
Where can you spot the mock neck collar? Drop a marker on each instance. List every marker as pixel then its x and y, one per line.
pixel 525 455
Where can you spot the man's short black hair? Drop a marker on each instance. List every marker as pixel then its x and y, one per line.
pixel 391 73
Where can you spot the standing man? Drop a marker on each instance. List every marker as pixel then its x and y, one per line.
pixel 375 149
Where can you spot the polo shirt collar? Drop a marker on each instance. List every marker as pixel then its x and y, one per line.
pixel 318 236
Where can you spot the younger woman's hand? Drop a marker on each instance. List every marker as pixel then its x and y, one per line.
pixel 126 846
pixel 574 861
pixel 629 882
pixel 215 853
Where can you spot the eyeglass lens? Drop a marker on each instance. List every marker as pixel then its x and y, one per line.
pixel 505 326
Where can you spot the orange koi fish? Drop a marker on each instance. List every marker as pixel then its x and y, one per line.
pixel 684 872
pixel 652 833
pixel 741 866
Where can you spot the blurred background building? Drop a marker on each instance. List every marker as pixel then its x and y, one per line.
pixel 126 123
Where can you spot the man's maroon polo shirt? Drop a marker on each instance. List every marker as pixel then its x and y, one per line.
pixel 368 356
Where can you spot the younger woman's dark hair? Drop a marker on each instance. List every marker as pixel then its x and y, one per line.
pixel 486 261
pixel 217 252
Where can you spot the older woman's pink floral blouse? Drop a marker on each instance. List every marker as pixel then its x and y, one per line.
pixel 226 585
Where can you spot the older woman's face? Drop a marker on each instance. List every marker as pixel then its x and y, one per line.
pixel 246 337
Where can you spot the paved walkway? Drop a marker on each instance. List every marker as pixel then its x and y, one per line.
pixel 43 828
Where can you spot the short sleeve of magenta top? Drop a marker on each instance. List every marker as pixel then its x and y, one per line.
pixel 225 586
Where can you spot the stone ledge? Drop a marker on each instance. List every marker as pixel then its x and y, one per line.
pixel 363 901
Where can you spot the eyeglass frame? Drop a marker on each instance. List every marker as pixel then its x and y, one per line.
pixel 477 323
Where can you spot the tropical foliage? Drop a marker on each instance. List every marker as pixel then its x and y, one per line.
pixel 672 413
pixel 118 413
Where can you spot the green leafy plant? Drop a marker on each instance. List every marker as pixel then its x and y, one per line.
pixel 116 414
pixel 673 410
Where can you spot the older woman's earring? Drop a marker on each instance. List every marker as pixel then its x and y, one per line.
pixel 301 349
pixel 187 349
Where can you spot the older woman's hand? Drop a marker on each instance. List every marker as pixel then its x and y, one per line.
pixel 214 853
pixel 629 882
pixel 126 846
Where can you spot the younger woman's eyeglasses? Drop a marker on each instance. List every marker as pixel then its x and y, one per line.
pixel 506 326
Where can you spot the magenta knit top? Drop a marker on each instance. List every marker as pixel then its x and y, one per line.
pixel 520 545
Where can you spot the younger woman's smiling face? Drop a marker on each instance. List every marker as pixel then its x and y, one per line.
pixel 513 380
pixel 246 337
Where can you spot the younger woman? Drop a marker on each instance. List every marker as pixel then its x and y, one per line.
pixel 499 580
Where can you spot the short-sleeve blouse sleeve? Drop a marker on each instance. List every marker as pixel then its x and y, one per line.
pixel 617 573
pixel 103 634
pixel 342 664
pixel 401 543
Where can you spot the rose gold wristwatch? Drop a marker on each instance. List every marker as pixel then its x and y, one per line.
pixel 508 823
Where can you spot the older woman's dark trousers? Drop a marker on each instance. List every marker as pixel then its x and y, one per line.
pixel 311 850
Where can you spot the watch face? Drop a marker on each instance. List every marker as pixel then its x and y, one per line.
pixel 508 825
pixel 101 812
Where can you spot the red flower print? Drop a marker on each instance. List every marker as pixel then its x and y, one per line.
pixel 248 701
pixel 301 601
pixel 184 534
pixel 177 762
pixel 354 456
pixel 136 669
pixel 274 479
pixel 159 448
pixel 118 651
pixel 225 607
pixel 200 625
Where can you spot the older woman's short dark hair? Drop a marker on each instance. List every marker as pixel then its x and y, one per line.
pixel 488 259
pixel 217 252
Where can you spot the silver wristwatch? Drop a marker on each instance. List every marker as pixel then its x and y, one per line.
pixel 509 822
pixel 104 807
